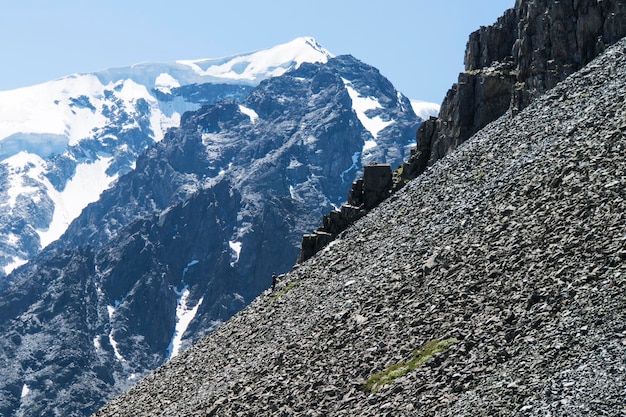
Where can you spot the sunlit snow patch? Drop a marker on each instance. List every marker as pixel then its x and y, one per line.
pixel 165 82
pixel 369 144
pixel 25 391
pixel 17 262
pixel 250 113
pixel 294 194
pixel 294 163
pixel 309 141
pixel 424 110
pixel 111 311
pixel 18 166
pixel 184 314
pixel 97 344
pixel 85 187
pixel 361 105
pixel 236 248
pixel 113 344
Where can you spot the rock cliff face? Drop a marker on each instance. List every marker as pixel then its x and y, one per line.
pixel 530 49
pixel 525 53
pixel 493 284
pixel 365 194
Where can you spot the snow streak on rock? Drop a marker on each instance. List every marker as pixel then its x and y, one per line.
pixel 362 105
pixel 85 187
pixel 184 314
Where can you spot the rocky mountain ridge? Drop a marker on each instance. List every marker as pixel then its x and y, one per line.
pixel 189 236
pixel 493 284
pixel 62 143
pixel 531 48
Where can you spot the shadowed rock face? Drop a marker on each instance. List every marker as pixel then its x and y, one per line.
pixel 512 250
pixel 530 49
pixel 365 194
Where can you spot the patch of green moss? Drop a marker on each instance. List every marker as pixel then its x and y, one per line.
pixel 419 356
pixel 282 292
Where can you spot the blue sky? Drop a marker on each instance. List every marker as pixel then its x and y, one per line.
pixel 417 44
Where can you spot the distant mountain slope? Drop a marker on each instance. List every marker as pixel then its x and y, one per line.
pixel 192 234
pixel 65 141
pixel 507 258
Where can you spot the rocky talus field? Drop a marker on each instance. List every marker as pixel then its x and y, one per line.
pixel 492 285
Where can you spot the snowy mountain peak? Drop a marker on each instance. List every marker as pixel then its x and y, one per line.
pixel 424 109
pixel 94 126
pixel 248 68
pixel 255 66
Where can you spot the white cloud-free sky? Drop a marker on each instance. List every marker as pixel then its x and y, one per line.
pixel 417 44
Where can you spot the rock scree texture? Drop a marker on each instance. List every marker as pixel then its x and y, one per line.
pixel 512 250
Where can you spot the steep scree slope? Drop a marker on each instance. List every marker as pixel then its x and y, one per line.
pixel 512 249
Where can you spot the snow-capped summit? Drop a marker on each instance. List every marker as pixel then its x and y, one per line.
pixel 95 125
pixel 71 106
pixel 248 68
pixel 257 66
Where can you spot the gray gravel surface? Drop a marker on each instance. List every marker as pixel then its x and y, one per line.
pixel 514 245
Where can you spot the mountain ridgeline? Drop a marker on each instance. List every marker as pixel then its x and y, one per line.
pixel 492 284
pixel 191 235
pixel 529 50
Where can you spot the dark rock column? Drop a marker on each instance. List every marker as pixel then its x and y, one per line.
pixel 377 182
pixel 366 193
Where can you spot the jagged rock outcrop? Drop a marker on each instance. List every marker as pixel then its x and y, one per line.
pixel 373 188
pixel 366 193
pixel 508 258
pixel 531 48
pixel 525 53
